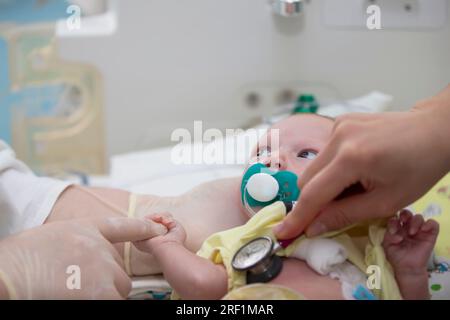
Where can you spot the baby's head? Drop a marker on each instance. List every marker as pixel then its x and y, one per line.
pixel 301 138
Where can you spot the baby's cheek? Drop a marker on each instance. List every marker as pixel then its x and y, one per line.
pixel 299 167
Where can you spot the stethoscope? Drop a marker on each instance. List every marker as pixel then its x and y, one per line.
pixel 261 187
pixel 259 258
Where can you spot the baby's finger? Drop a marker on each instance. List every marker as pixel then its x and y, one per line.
pixel 393 225
pixel 415 225
pixel 162 218
pixel 171 225
pixel 392 238
pixel 166 215
pixel 176 227
pixel 430 226
pixel 405 216
pixel 156 217
pixel 167 220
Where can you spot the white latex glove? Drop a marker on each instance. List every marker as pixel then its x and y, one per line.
pixel 34 263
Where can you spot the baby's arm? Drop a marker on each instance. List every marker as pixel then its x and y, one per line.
pixel 191 276
pixel 408 244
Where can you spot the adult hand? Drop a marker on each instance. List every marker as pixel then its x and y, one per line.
pixel 44 262
pixel 394 158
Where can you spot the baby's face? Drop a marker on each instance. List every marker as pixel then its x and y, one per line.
pixel 301 138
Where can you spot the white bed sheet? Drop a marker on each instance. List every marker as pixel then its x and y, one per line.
pixel 154 172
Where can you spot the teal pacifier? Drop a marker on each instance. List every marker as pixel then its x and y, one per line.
pixel 261 186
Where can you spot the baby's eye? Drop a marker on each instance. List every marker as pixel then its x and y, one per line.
pixel 264 152
pixel 307 154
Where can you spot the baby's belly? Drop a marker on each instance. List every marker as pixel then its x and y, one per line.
pixel 298 276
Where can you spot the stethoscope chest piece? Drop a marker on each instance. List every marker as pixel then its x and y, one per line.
pixel 258 258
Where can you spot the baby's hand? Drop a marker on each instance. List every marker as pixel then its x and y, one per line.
pixel 175 233
pixel 409 241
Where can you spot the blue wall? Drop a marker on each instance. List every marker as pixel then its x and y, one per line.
pixel 32 11
pixel 5 115
pixel 25 12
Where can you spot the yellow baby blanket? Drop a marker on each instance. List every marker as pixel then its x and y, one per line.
pixel 436 204
pixel 221 247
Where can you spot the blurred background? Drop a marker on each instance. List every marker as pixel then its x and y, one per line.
pixel 83 82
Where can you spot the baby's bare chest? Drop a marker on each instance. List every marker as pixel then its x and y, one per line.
pixel 298 276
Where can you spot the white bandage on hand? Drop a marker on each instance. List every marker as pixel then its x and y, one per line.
pixel 322 255
pixel 328 257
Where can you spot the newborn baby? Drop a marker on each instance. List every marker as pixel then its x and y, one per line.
pixel 408 242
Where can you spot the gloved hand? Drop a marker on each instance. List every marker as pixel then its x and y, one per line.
pixel 44 262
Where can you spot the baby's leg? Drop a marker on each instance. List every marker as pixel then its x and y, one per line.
pixel 408 244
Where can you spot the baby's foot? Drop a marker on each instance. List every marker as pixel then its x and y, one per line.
pixel 408 244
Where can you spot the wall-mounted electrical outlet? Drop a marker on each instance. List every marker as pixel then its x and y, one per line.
pixel 262 99
pixel 394 14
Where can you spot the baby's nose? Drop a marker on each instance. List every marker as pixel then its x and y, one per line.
pixel 276 162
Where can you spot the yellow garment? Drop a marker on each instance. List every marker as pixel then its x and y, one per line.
pixel 436 204
pixel 220 247
pixel 263 291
